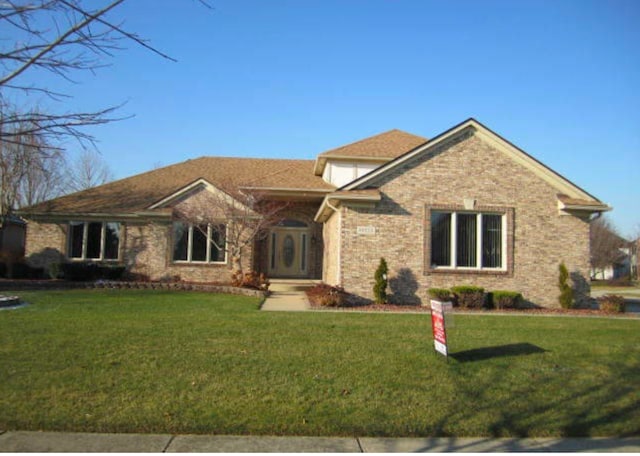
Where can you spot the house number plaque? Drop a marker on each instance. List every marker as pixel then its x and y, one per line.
pixel 366 230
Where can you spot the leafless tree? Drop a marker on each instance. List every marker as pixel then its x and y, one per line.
pixel 247 214
pixel 88 170
pixel 59 38
pixel 605 244
pixel 30 172
pixel 44 180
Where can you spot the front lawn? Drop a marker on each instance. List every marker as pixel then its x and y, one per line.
pixel 176 362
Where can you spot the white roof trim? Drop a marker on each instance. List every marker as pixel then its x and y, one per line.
pixel 326 203
pixel 183 192
pixel 513 152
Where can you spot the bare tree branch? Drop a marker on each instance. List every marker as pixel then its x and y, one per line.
pixel 58 42
pixel 63 38
pixel 88 170
pixel 247 215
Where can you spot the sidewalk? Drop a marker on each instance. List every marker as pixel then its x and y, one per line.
pixel 288 295
pixel 59 442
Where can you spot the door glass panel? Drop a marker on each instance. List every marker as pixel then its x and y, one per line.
pixel 273 251
pixel 303 256
pixel 288 251
pixel 290 223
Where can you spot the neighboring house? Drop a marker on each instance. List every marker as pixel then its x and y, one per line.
pixel 466 207
pixel 624 266
pixel 12 237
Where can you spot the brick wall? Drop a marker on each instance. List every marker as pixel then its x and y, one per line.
pixel 146 248
pixel 148 251
pixel 45 243
pixel 539 238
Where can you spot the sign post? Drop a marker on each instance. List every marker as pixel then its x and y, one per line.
pixel 438 325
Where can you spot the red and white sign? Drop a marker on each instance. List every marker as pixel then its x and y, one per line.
pixel 438 325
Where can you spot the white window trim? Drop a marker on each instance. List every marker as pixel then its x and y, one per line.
pixel 85 238
pixel 454 243
pixel 207 260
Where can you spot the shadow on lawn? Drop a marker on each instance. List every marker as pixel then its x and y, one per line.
pixel 556 400
pixel 480 354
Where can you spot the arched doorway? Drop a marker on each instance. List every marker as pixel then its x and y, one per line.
pixel 289 249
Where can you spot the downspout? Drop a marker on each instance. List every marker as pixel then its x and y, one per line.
pixel 335 209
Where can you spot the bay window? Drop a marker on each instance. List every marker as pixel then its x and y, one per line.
pixel 94 241
pixel 468 240
pixel 199 243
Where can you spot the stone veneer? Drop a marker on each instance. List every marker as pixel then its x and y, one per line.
pixel 539 237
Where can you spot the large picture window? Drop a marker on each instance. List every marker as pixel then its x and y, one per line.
pixel 199 243
pixel 94 241
pixel 467 240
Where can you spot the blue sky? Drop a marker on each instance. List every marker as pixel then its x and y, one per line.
pixel 290 79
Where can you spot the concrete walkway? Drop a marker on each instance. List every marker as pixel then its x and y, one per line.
pixel 288 295
pixel 76 442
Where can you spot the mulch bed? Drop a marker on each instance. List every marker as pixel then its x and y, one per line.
pixel 392 308
pixel 212 287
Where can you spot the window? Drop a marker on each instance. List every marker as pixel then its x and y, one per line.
pixel 467 240
pixel 94 240
pixel 199 243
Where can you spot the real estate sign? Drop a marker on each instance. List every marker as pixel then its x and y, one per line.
pixel 438 325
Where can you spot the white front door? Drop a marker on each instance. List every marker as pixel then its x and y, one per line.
pixel 288 252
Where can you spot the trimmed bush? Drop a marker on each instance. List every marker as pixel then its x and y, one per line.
pixel 327 296
pixel 55 271
pixel 24 271
pixel 504 299
pixel 440 294
pixel 380 287
pixel 612 303
pixel 250 279
pixel 87 271
pixel 468 296
pixel 566 292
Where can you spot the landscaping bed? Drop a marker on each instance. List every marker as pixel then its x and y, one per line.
pixel 427 309
pixel 128 285
pixel 327 297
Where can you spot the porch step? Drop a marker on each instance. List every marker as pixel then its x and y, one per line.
pixel 284 285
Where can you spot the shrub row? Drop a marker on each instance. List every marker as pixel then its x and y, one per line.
pixel 20 270
pixel 612 303
pixel 472 297
pixel 84 272
pixel 327 295
pixel 251 280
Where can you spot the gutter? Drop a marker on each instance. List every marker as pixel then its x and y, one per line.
pixel 94 216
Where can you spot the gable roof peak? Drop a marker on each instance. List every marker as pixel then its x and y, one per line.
pixel 512 151
pixel 381 147
pixel 386 144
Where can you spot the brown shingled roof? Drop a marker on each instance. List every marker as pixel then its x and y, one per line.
pixel 389 144
pixel 138 192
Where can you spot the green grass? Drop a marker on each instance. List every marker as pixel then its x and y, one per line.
pixel 142 361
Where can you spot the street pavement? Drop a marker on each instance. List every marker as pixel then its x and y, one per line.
pixel 79 442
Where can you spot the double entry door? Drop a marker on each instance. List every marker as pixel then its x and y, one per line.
pixel 289 252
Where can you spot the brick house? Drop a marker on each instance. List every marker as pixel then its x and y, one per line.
pixel 466 207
